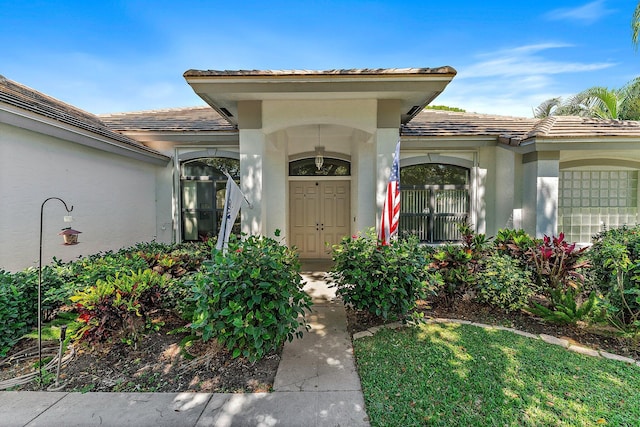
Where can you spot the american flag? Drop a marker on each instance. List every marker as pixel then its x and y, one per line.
pixel 391 208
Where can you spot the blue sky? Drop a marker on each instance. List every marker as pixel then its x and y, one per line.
pixel 112 56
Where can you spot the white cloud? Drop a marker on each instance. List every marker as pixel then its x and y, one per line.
pixel 587 14
pixel 514 81
pixel 521 61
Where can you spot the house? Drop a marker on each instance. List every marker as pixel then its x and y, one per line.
pixel 312 152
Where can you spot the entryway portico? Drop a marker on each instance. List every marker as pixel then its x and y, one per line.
pixel 283 116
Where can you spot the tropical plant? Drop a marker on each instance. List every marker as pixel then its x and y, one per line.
pixel 515 243
pixel 118 306
pixel 459 264
pixel 598 102
pixel 565 307
pixel 250 298
pixel 383 280
pixel 558 264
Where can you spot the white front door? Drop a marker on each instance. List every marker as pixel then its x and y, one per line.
pixel 319 216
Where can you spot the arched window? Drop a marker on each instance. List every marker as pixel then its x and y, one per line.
pixel 204 183
pixel 330 167
pixel 434 201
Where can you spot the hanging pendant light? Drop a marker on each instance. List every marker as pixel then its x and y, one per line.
pixel 319 152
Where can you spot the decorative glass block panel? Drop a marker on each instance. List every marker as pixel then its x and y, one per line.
pixel 591 200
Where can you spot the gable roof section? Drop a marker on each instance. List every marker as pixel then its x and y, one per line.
pixel 65 117
pixel 413 87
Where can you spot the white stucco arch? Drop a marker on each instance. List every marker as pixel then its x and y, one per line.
pixel 436 158
pixel 210 152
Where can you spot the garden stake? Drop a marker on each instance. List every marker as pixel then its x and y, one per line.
pixel 63 333
pixel 40 283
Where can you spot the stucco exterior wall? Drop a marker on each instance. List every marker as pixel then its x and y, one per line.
pixel 114 198
pixel 540 196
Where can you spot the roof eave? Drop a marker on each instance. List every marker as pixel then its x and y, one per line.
pixel 414 88
pixel 44 125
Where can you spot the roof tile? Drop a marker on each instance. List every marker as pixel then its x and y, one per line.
pixel 25 98
pixel 189 119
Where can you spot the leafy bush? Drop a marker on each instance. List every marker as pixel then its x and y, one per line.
pixel 459 264
pixel 118 306
pixel 615 257
pixel 504 283
pixel 18 305
pixel 18 291
pixel 250 298
pixel 384 280
pixel 515 243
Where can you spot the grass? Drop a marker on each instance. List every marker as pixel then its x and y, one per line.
pixel 462 375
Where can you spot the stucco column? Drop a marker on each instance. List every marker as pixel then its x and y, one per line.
pixel 275 188
pixel 386 140
pixel 252 166
pixel 540 195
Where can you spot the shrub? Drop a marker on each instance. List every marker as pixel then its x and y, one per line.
pixel 118 306
pixel 384 280
pixel 504 283
pixel 18 306
pixel 459 264
pixel 250 298
pixel 515 243
pixel 615 257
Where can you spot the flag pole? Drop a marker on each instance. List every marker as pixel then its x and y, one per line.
pixel 243 195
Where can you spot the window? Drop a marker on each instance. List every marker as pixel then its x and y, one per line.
pixel 330 167
pixel 590 199
pixel 434 201
pixel 204 185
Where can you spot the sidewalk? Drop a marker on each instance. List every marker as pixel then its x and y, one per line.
pixel 316 385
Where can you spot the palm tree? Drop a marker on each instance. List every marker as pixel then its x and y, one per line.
pixel 597 101
pixel 635 27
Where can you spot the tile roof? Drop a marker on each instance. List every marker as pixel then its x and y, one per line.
pixel 189 119
pixel 25 98
pixel 428 123
pixel 515 130
pixel 576 127
pixel 440 123
pixel 334 72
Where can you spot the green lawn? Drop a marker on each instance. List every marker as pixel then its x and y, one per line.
pixel 462 375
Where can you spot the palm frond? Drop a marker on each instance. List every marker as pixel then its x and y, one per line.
pixel 547 108
pixel 635 27
pixel 600 102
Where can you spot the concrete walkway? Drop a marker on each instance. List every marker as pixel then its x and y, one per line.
pixel 316 385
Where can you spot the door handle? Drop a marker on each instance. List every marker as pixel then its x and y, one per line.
pixel 322 227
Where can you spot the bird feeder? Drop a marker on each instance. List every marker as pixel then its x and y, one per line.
pixel 70 236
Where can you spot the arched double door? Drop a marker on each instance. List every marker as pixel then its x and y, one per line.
pixel 319 206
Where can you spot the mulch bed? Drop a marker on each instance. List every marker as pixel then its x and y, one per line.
pixel 156 364
pixel 159 364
